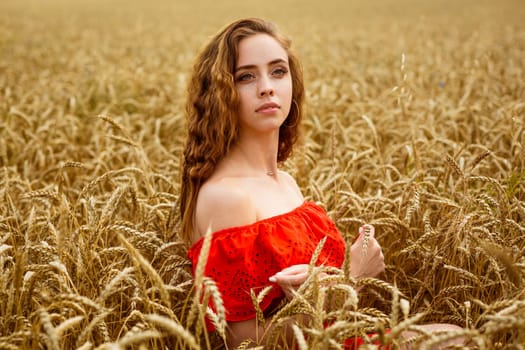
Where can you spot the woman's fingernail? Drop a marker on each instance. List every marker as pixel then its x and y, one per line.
pixel 272 279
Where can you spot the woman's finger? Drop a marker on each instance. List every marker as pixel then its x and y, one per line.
pixel 294 269
pixel 366 231
pixel 294 279
pixel 289 279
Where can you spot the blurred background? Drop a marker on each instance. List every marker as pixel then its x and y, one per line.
pixel 414 123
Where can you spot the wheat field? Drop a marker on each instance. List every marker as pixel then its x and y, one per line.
pixel 414 123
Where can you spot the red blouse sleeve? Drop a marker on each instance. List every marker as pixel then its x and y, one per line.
pixel 243 258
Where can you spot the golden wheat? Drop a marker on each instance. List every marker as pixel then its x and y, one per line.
pixel 414 124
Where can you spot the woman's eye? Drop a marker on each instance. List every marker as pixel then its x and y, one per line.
pixel 244 77
pixel 279 72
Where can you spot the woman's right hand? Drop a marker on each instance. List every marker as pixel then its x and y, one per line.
pixel 366 256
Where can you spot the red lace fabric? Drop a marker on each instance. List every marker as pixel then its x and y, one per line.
pixel 243 258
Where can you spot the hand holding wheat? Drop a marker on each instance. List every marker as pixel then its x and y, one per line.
pixel 366 256
pixel 291 278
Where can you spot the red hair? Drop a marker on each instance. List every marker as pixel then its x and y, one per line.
pixel 212 105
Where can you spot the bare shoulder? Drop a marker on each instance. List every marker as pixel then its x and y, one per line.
pixel 290 182
pixel 222 204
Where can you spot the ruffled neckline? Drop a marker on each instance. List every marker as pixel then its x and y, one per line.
pixel 255 224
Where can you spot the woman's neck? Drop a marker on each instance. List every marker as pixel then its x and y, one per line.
pixel 257 154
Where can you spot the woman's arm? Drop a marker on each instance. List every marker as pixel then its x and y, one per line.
pixel 366 260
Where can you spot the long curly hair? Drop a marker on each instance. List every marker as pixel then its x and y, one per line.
pixel 212 106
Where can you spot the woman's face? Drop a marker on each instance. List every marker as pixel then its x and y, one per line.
pixel 264 84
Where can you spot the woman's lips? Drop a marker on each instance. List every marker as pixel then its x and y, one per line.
pixel 268 108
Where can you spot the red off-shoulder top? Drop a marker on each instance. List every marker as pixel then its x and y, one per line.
pixel 244 257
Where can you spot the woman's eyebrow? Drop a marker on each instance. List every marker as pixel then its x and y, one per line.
pixel 271 63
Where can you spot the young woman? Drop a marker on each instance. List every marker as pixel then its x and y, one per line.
pixel 244 109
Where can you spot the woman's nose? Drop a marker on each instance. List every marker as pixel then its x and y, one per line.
pixel 265 87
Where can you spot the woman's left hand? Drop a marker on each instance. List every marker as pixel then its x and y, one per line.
pixel 290 278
